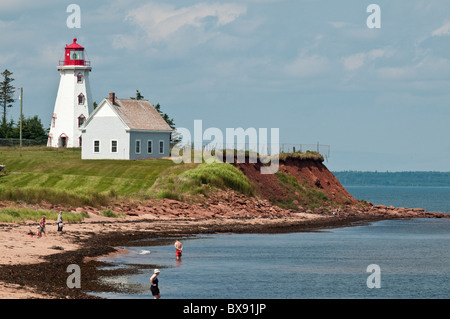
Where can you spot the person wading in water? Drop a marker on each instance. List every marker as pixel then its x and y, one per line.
pixel 178 249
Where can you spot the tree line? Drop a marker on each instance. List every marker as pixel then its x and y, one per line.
pixel 32 127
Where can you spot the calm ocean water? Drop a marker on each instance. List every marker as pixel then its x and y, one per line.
pixel 413 257
pixel 433 199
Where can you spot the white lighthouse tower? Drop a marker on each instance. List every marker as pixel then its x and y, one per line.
pixel 73 101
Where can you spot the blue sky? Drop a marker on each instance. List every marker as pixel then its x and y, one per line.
pixel 312 68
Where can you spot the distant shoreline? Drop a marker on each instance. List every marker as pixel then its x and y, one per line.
pixel 406 178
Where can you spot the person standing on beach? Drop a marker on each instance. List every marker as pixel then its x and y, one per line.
pixel 178 249
pixel 59 221
pixel 42 226
pixel 154 284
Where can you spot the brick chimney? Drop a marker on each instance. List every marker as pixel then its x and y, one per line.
pixel 112 97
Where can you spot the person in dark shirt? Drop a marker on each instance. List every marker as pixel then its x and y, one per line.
pixel 154 284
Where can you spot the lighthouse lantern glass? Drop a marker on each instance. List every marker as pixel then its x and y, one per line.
pixel 76 55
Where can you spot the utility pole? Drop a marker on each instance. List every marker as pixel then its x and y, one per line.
pixel 21 118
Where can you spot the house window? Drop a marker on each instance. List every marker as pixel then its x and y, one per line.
pixel 53 119
pixel 138 147
pixel 96 146
pixel 149 147
pixel 81 120
pixel 81 99
pixel 113 146
pixel 80 78
pixel 161 147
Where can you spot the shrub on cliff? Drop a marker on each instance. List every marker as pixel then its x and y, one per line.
pixel 221 175
pixel 308 155
pixel 200 179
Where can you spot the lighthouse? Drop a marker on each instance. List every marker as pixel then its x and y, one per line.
pixel 73 100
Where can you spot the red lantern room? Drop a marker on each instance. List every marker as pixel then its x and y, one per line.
pixel 74 55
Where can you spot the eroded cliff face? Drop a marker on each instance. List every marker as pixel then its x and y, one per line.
pixel 298 183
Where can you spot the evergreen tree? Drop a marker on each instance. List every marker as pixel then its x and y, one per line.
pixel 33 129
pixel 139 96
pixel 6 94
pixel 7 130
pixel 165 116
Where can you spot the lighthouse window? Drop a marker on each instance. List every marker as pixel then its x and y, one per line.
pixel 81 120
pixel 76 55
pixel 80 78
pixel 81 99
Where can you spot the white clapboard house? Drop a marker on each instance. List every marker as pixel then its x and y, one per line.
pixel 125 129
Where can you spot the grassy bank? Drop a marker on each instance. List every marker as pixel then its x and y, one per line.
pixel 19 215
pixel 308 155
pixel 59 176
pixel 300 193
pixel 195 179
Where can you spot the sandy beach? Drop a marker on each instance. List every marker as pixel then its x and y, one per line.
pixel 32 267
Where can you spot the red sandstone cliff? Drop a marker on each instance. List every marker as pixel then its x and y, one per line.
pixel 298 181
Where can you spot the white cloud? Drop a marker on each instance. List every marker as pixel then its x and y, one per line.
pixel 18 6
pixel 444 30
pixel 358 60
pixel 307 65
pixel 354 62
pixel 429 68
pixel 340 24
pixel 395 73
pixel 160 21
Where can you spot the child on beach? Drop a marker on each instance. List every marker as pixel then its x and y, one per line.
pixel 41 227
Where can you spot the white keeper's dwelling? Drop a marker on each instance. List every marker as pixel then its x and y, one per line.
pixel 125 129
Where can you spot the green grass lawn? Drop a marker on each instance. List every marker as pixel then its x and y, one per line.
pixel 41 173
pixel 60 176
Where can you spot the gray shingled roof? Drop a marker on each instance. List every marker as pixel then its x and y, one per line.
pixel 140 115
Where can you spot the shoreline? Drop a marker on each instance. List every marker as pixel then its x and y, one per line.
pixel 36 267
